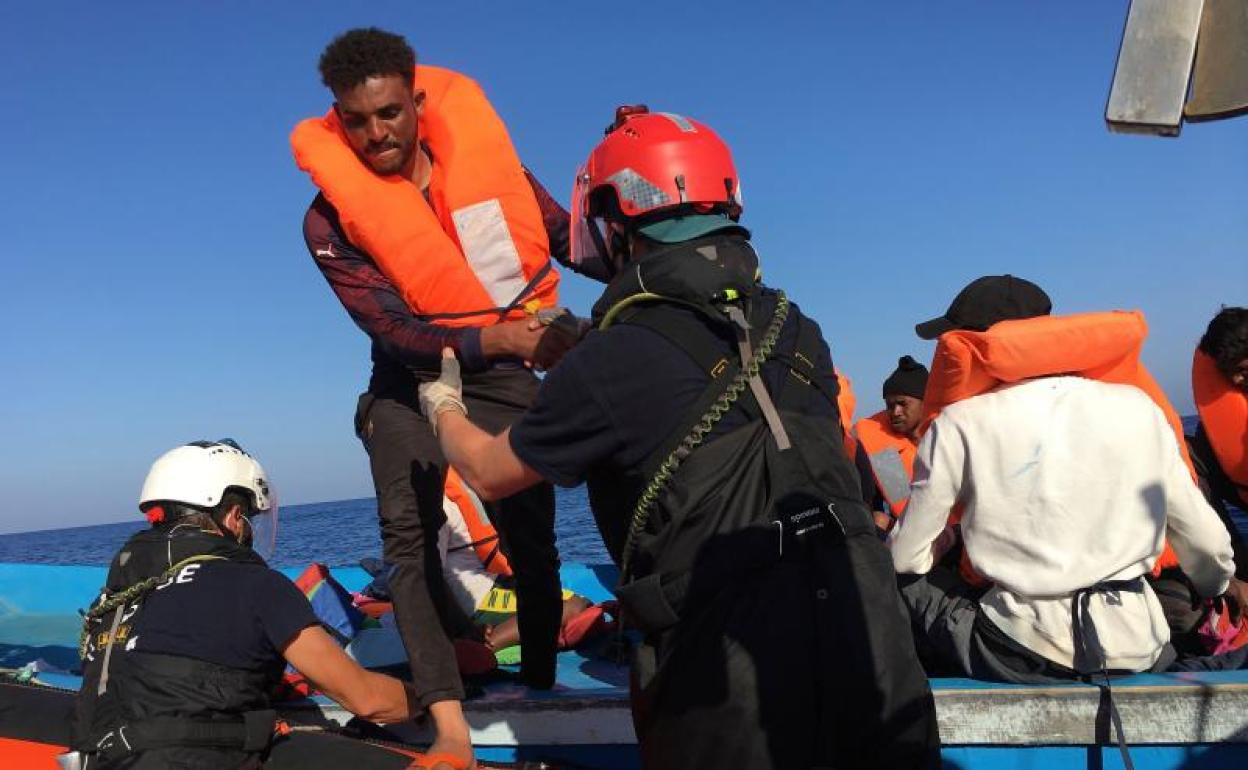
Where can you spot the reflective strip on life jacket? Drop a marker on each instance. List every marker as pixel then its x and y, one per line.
pixel 480 253
pixel 891 456
pixel 1223 410
pixel 482 535
pixel 1099 346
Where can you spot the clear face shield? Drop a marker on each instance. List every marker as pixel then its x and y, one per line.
pixel 590 236
pixel 261 529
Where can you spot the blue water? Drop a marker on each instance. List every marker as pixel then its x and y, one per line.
pixel 338 533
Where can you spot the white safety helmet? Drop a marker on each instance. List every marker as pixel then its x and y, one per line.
pixel 199 474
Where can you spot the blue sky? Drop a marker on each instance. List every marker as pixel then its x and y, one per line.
pixel 156 287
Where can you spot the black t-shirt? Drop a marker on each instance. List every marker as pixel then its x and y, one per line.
pixel 231 614
pixel 616 397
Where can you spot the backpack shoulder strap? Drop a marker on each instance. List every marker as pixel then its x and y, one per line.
pixel 699 341
pixel 801 361
pixel 718 397
pixel 704 347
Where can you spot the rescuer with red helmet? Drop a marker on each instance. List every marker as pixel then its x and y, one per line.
pixel 702 413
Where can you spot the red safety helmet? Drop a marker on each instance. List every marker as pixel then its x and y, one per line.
pixel 651 166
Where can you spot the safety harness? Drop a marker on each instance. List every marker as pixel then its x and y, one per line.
pixel 716 279
pixel 103 728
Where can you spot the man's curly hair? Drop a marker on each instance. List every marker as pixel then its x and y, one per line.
pixel 359 54
pixel 1226 339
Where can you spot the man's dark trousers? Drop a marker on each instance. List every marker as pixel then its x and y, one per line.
pixel 409 471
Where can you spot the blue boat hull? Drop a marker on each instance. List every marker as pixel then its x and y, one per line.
pixel 1173 721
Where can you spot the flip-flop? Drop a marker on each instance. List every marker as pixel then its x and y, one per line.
pixel 430 761
pixel 508 656
pixel 588 623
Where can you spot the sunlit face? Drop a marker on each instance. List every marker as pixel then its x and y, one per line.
pixel 381 118
pixel 904 412
pixel 1239 375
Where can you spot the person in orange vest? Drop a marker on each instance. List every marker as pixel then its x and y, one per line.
pixel 433 235
pixel 1049 436
pixel 887 440
pixel 483 584
pixel 1219 452
pixel 1220 446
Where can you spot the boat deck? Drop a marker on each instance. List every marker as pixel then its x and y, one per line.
pixel 1182 720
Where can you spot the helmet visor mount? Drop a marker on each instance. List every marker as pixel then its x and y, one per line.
pixel 260 521
pixel 590 237
pixel 262 528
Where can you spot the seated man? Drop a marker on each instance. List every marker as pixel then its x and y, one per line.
pixel 1220 447
pixel 190 601
pixel 1067 487
pixel 1219 453
pixel 479 576
pixel 886 443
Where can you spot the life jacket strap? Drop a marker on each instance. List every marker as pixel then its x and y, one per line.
pixel 501 312
pixel 489 559
pixel 1088 644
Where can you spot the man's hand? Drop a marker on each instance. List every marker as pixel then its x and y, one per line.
pixel 515 339
pixel 563 331
pixel 1236 599
pixel 541 339
pixel 947 540
pixel 444 393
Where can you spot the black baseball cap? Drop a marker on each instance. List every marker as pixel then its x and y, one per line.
pixel 987 300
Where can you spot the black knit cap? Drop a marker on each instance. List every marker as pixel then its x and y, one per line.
pixel 910 379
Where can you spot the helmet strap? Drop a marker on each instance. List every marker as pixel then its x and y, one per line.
pixel 244 536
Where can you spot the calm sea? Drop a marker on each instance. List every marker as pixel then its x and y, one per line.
pixel 337 533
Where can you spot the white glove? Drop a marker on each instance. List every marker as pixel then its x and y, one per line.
pixel 444 393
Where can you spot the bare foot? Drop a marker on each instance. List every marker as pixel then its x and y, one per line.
pixel 452 742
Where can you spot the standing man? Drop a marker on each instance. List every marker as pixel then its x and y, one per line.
pixel 887 440
pixel 703 415
pixel 432 235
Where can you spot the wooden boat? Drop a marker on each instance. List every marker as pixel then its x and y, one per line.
pixel 1172 721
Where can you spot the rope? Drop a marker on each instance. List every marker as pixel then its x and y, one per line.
pixel 650 496
pixel 127 595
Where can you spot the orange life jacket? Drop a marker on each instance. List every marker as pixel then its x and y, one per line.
pixel 480 253
pixel 845 403
pixel 484 537
pixel 1223 410
pixel 892 459
pixel 1099 346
